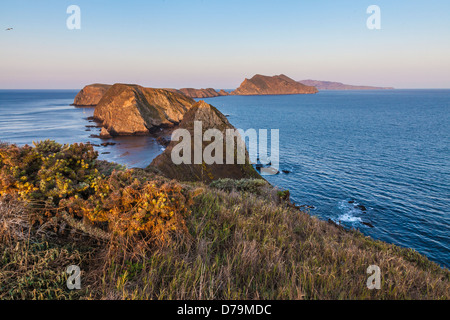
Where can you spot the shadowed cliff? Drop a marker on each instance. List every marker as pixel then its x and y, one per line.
pixel 210 118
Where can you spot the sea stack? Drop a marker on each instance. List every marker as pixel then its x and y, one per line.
pixel 210 118
pixel 276 85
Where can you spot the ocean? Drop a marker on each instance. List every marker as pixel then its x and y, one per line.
pixel 376 161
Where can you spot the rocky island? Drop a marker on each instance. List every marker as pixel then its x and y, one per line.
pixel 264 85
pixel 329 85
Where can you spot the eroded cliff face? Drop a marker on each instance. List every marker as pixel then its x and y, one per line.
pixel 211 118
pixel 91 95
pixel 135 110
pixel 200 93
pixel 276 85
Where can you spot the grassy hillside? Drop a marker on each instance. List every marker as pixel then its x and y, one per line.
pixel 137 235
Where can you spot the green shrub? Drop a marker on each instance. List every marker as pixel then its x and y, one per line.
pixel 47 173
pixel 55 179
pixel 245 185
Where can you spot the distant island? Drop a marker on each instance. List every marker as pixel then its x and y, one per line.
pixel 265 85
pixel 91 95
pixel 200 93
pixel 330 85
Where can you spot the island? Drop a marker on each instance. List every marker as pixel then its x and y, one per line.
pixel 330 85
pixel 275 85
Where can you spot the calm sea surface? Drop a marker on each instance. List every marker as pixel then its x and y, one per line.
pixel 388 151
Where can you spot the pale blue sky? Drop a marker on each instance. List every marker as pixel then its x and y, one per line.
pixel 212 43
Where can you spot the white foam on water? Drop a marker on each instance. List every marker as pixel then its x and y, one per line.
pixel 347 217
pixel 350 213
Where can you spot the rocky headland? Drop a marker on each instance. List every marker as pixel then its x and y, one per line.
pixel 276 85
pixel 135 110
pixel 202 93
pixel 91 95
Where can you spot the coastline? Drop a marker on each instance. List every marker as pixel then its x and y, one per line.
pixel 250 227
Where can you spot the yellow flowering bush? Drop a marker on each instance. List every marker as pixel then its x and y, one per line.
pixel 57 178
pixel 130 206
pixel 47 173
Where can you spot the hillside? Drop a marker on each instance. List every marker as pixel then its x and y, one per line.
pixel 138 235
pixel 210 118
pixel 264 85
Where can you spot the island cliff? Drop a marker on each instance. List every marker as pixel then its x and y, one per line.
pixel 91 95
pixel 211 118
pixel 135 110
pixel 329 85
pixel 276 85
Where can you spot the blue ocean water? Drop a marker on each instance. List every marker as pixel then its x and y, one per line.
pixel 388 151
pixel 34 115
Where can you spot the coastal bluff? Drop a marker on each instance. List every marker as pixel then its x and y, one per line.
pixel 91 95
pixel 276 85
pixel 211 118
pixel 127 109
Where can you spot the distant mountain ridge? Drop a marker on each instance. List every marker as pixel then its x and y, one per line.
pixel 330 85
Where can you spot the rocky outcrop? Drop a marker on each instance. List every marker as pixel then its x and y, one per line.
pixel 200 93
pixel 276 85
pixel 135 110
pixel 329 85
pixel 210 118
pixel 91 95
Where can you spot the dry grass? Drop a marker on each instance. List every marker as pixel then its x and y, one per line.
pixel 240 245
pixel 32 264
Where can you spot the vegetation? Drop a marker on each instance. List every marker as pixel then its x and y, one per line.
pixel 137 235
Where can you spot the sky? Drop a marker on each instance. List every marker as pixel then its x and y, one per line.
pixel 213 43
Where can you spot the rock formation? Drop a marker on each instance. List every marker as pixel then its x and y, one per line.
pixel 134 110
pixel 264 85
pixel 91 95
pixel 210 118
pixel 329 85
pixel 200 93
